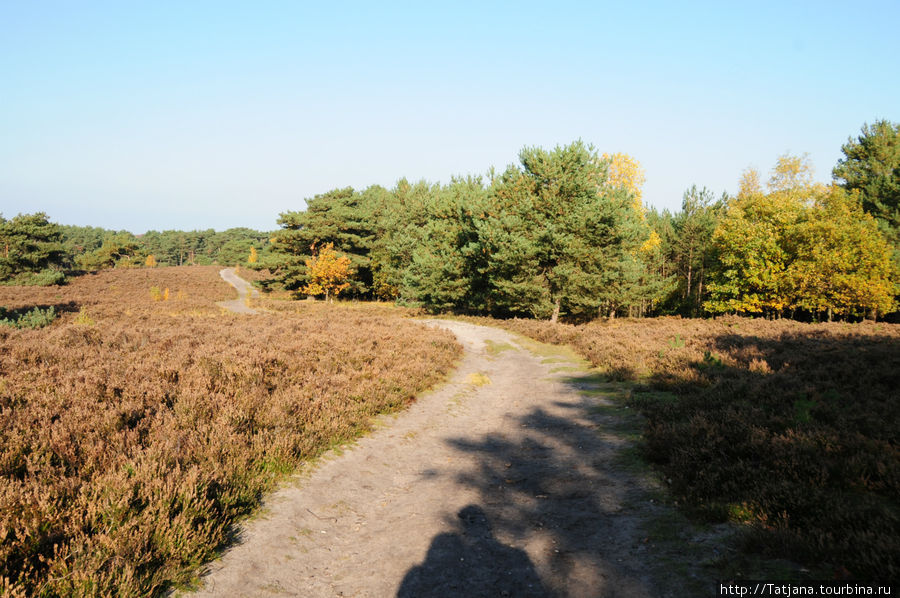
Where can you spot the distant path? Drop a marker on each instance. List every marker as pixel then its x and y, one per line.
pixel 244 290
pixel 506 481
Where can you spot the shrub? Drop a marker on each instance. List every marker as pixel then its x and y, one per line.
pixel 32 318
pixel 44 278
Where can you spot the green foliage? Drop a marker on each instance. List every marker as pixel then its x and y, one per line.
pixel 554 235
pixel 203 247
pixel 687 244
pixel 27 318
pixel 119 250
pixel 342 217
pixel 237 251
pixel 445 269
pixel 559 239
pixel 871 165
pixel 30 244
pixel 44 278
pixel 79 240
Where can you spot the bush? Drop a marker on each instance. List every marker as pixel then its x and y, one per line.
pixel 44 278
pixel 33 318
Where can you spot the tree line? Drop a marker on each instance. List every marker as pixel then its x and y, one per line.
pixel 35 251
pixel 564 232
pixel 561 233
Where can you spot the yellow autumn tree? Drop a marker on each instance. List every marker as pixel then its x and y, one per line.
pixel 754 240
pixel 328 272
pixel 626 172
pixel 254 256
pixel 842 265
pixel 150 262
pixel 800 246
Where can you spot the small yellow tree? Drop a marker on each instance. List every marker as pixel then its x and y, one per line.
pixel 328 272
pixel 150 262
pixel 254 256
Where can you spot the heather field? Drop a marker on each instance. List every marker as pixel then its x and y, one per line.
pixel 142 423
pixel 789 429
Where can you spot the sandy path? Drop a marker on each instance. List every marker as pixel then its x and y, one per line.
pixel 503 482
pixel 244 290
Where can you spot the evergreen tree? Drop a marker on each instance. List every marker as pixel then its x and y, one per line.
pixel 31 245
pixel 343 217
pixel 446 268
pixel 402 218
pixel 558 238
pixel 690 246
pixel 118 251
pixel 871 165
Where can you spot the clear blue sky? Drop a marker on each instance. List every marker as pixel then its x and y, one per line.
pixel 160 115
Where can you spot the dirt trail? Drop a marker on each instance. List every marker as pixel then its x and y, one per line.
pixel 244 290
pixel 506 481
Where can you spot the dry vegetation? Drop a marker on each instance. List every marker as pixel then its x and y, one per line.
pixel 135 430
pixel 791 429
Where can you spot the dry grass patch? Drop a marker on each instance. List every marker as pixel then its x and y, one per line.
pixel 134 433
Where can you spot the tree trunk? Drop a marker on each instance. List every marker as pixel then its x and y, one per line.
pixel 700 288
pixel 687 294
pixel 829 313
pixel 555 315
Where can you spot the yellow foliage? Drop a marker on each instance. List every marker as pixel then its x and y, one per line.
pixel 750 183
pixel 254 256
pixel 165 296
pixel 626 172
pixel 83 319
pixel 791 173
pixel 150 262
pixel 328 272
pixel 652 243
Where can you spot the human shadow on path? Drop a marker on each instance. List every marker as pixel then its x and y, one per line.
pixel 555 479
pixel 472 563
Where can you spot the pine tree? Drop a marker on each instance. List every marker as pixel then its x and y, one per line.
pixel 559 238
pixel 871 165
pixel 31 244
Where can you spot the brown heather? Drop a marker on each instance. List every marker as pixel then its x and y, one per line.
pixel 134 433
pixel 791 429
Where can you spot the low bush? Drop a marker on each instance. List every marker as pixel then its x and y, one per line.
pixel 44 278
pixel 27 318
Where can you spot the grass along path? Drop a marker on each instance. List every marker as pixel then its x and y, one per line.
pixel 513 479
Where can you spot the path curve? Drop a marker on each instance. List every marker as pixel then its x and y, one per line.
pixel 502 482
pixel 244 289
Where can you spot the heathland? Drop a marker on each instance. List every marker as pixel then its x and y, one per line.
pixel 785 428
pixel 138 426
pixel 138 421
